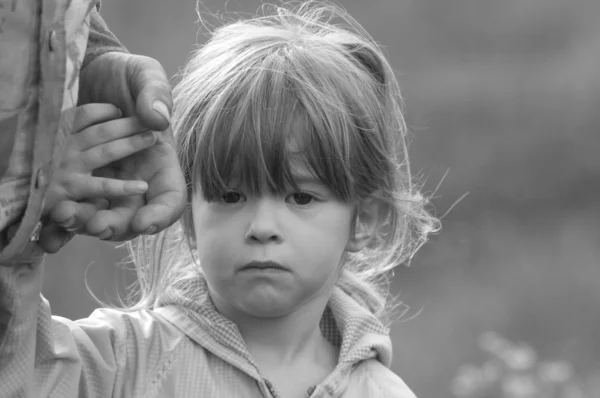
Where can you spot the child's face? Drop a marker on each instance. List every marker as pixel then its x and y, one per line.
pixel 306 232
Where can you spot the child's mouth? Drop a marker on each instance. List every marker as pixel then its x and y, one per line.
pixel 263 266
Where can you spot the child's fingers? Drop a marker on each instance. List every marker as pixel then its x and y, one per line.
pixel 72 216
pixel 104 154
pixel 115 223
pixel 80 187
pixel 91 114
pixel 111 130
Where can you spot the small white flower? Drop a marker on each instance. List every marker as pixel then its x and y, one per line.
pixel 521 357
pixel 555 371
pixel 519 386
pixel 467 381
pixel 494 343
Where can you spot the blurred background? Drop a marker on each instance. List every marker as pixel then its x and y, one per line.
pixel 504 97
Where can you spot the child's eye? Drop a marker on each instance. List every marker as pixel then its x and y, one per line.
pixel 232 197
pixel 302 198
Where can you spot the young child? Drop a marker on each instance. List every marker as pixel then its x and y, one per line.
pixel 273 284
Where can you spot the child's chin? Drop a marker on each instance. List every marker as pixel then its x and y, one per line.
pixel 267 307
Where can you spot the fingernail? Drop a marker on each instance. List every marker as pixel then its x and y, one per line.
pixel 151 230
pixel 162 109
pixel 68 224
pixel 106 234
pixel 149 136
pixel 139 186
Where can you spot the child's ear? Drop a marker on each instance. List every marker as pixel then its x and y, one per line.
pixel 370 214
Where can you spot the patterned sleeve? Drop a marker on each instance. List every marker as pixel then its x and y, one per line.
pixel 45 356
pixel 101 39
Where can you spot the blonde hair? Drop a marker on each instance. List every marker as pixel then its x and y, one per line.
pixel 236 106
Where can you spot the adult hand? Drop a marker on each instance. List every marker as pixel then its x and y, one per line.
pixel 138 85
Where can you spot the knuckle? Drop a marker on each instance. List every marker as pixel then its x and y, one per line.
pixel 69 184
pixel 105 186
pixel 140 140
pixel 103 134
pixel 106 152
pixel 83 112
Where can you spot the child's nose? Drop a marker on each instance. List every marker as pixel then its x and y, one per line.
pixel 263 226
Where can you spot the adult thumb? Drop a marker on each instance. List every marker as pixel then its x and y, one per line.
pixel 151 91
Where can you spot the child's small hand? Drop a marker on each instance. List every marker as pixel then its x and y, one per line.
pixel 99 137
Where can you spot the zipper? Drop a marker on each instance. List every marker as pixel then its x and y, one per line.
pixel 274 394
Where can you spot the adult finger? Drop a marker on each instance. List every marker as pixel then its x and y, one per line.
pixel 105 154
pixel 53 238
pixel 151 91
pixel 166 196
pixel 91 114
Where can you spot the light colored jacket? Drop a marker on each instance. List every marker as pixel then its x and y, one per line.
pixel 181 349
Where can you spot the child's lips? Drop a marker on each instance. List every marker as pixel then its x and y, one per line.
pixel 263 266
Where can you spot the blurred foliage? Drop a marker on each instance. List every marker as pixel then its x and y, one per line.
pixel 511 370
pixel 502 95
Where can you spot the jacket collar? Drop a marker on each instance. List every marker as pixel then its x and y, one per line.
pixel 348 325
